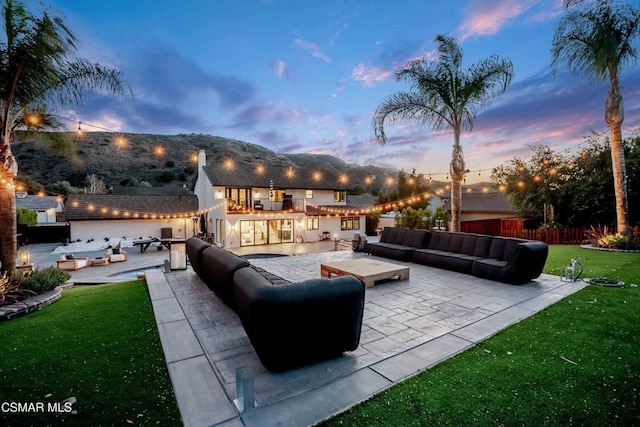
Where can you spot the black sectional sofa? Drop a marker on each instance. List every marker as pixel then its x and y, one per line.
pixel 508 260
pixel 398 243
pixel 288 324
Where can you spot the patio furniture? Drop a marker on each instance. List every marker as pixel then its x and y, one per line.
pixel 71 263
pixel 145 243
pixel 504 259
pixel 398 243
pixel 295 324
pixel 368 270
pixel 288 324
pixel 99 262
pixel 117 256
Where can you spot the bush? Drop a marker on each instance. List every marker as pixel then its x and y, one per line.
pixel 41 280
pixel 600 237
pixel 166 176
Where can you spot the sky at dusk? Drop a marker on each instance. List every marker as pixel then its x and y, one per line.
pixel 306 76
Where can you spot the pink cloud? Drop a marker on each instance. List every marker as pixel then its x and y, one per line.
pixel 369 76
pixel 313 49
pixel 280 68
pixel 487 17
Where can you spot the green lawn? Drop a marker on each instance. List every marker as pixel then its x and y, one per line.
pixel 98 344
pixel 574 363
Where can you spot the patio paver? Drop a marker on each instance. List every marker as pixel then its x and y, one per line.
pixel 408 326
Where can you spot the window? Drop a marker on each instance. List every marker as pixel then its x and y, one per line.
pixel 339 195
pixel 350 223
pixel 239 198
pixel 276 195
pixel 309 194
pixel 313 223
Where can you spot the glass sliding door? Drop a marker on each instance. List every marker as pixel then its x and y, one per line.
pixel 264 232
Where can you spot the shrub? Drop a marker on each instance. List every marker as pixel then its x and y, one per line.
pixel 600 237
pixel 166 176
pixel 41 280
pixel 10 290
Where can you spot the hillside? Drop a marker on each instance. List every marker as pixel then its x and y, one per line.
pixel 124 158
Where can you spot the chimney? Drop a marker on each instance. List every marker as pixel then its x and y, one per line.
pixel 202 159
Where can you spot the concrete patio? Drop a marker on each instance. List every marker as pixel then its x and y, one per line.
pixel 408 326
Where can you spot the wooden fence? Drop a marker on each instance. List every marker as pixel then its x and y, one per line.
pixel 555 236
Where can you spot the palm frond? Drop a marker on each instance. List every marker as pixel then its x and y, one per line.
pixel 596 39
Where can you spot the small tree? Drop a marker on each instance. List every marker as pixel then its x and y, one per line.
pixel 95 184
pixel 38 67
pixel 443 94
pixel 598 40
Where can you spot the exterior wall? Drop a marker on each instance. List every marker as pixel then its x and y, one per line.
pixel 480 216
pixel 135 228
pixel 45 216
pixel 331 225
pixel 322 197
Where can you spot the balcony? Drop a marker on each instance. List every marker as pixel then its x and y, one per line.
pixel 259 205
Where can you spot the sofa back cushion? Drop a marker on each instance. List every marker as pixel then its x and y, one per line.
pixel 455 242
pixel 439 240
pixel 195 247
pixel 469 244
pixel 482 246
pixel 218 268
pixel 399 238
pixel 389 234
pixel 502 248
pixel 417 238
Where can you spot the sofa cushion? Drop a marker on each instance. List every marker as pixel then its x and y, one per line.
pixel 195 246
pixel 482 245
pixel 218 268
pixel 456 241
pixel 416 238
pixel 400 236
pixel 389 235
pixel 502 248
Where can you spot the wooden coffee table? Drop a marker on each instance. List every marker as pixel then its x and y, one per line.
pixel 99 262
pixel 366 269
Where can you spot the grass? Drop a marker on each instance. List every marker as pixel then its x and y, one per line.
pixel 574 363
pixel 97 344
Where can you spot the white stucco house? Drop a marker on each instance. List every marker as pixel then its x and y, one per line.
pixel 248 202
pixel 99 216
pixel 48 208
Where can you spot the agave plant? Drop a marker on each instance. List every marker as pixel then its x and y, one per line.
pixel 11 292
pixel 600 237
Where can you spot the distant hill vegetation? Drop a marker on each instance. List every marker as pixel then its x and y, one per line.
pixel 160 160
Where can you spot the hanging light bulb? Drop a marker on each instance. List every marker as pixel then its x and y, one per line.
pixel 79 132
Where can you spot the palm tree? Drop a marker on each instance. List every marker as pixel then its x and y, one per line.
pixel 37 67
pixel 445 95
pixel 597 40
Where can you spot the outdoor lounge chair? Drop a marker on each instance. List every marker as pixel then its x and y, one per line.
pixel 117 256
pixel 69 262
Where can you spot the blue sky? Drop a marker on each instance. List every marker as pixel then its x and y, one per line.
pixel 306 76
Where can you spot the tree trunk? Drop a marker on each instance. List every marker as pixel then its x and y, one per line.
pixel 457 169
pixel 614 116
pixel 8 228
pixel 8 220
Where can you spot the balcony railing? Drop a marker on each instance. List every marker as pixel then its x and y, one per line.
pixel 244 206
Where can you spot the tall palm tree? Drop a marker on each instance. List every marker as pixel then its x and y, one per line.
pixel 37 67
pixel 597 40
pixel 445 95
